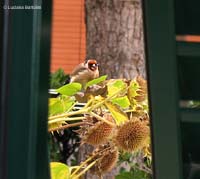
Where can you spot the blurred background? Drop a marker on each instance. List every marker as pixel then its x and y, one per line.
pixel 68 35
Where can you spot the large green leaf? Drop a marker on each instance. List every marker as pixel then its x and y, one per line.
pixel 115 85
pixel 117 113
pixel 55 106
pixel 96 81
pixel 70 89
pixel 122 101
pixel 60 105
pixel 59 171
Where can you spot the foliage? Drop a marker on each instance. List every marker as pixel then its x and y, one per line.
pixel 96 81
pixel 70 89
pixel 62 171
pixel 194 104
pixel 54 148
pixel 60 144
pixel 58 79
pixel 111 107
pixel 139 166
pixel 134 174
pixel 59 171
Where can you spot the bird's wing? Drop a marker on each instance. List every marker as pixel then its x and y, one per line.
pixel 78 69
pixel 79 74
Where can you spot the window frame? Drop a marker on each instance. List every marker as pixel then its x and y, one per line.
pixel 25 41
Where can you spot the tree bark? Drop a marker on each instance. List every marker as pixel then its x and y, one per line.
pixel 114 37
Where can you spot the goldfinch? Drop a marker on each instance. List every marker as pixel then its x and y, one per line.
pixel 85 72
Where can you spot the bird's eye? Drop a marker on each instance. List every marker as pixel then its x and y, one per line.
pixel 94 65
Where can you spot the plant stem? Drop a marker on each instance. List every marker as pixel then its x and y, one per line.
pixel 102 119
pixel 66 126
pixel 88 103
pixel 66 119
pixel 145 169
pixel 82 111
pixel 71 107
pixel 129 110
pixel 85 170
pixel 88 110
pixel 107 99
pixel 82 164
pixel 90 165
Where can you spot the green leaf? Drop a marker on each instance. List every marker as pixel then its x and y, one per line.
pixel 59 171
pixel 59 105
pixel 70 89
pixel 117 113
pixel 125 175
pixel 58 78
pixel 135 174
pixel 122 101
pixel 125 156
pixel 55 106
pixel 96 81
pixel 115 85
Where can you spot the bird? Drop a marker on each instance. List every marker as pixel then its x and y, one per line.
pixel 85 72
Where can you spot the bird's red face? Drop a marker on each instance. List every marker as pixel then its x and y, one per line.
pixel 92 64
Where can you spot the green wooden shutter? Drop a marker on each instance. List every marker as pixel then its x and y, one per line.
pixel 24 94
pixel 173 76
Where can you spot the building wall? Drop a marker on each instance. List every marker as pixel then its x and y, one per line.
pixel 68 34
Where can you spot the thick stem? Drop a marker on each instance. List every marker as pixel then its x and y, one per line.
pixel 102 119
pixel 85 110
pixel 85 170
pixel 145 169
pixel 66 126
pixel 66 119
pixel 85 162
pixel 107 99
pixel 82 111
pixel 82 165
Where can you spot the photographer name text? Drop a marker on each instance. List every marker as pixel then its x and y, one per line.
pixel 25 7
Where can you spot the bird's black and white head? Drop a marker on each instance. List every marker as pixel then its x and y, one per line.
pixel 92 64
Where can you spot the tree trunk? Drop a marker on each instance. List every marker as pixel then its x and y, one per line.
pixel 114 32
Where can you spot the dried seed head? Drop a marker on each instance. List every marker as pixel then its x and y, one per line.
pixel 132 135
pixel 106 162
pixel 142 91
pixel 142 83
pixel 99 133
